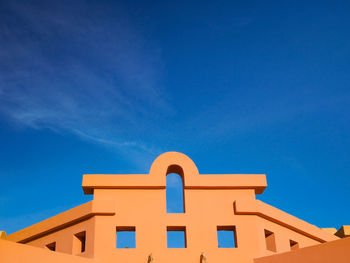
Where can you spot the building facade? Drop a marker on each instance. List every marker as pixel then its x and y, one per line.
pixel 222 221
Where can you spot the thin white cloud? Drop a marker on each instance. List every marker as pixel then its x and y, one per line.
pixel 79 70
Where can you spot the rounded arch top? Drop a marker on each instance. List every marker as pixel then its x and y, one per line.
pixel 173 162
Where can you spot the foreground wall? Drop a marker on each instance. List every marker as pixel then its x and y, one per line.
pixel 11 252
pixel 335 251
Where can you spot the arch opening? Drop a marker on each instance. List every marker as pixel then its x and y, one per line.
pixel 175 200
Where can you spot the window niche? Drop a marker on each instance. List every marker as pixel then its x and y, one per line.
pixel 293 245
pixel 126 237
pixel 270 240
pixel 176 237
pixel 51 246
pixel 227 237
pixel 175 201
pixel 79 242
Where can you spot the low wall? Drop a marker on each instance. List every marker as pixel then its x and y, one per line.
pixel 14 252
pixel 335 251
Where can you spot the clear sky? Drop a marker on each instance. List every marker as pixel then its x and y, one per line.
pixel 238 86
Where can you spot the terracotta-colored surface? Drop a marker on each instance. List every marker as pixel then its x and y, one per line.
pixel 11 252
pixel 331 252
pixel 170 162
pixel 331 230
pixel 63 220
pixel 138 201
pixel 256 207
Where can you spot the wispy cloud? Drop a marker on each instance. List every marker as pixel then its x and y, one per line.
pixel 79 69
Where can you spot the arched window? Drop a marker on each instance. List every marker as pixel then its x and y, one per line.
pixel 174 190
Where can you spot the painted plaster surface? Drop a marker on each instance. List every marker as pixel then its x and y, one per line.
pixel 138 201
pixel 335 251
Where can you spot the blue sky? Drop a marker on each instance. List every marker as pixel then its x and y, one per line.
pixel 238 86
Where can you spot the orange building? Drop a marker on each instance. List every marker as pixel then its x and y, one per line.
pixel 213 204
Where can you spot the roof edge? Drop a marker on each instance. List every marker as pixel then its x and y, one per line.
pixel 69 217
pixel 259 208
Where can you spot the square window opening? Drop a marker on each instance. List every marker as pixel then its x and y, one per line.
pixel 270 240
pixel 293 245
pixel 51 246
pixel 176 237
pixel 126 237
pixel 79 242
pixel 227 236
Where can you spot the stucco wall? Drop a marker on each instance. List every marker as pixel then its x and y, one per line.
pixel 64 238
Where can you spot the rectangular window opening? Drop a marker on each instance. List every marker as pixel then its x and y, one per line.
pixel 79 242
pixel 270 241
pixel 176 237
pixel 293 245
pixel 227 236
pixel 126 237
pixel 51 246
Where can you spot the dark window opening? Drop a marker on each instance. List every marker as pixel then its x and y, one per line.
pixel 176 237
pixel 79 243
pixel 175 190
pixel 126 237
pixel 226 236
pixel 51 246
pixel 270 241
pixel 293 245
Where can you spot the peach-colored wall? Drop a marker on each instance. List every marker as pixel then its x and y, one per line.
pixel 336 251
pixel 64 238
pixel 205 210
pixel 282 237
pixel 210 201
pixel 146 210
pixel 11 252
